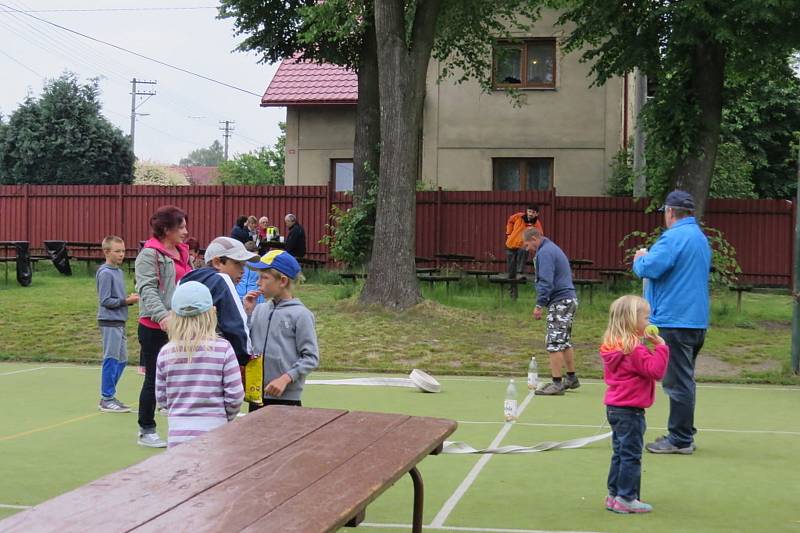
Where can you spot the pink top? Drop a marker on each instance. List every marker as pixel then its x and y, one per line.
pixel 631 378
pixel 182 267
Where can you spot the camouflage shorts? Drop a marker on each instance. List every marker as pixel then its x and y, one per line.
pixel 560 315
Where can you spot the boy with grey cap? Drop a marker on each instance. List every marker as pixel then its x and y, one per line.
pixel 225 258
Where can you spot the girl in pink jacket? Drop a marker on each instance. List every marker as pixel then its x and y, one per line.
pixel 630 370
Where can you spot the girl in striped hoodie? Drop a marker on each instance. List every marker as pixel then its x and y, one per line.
pixel 197 373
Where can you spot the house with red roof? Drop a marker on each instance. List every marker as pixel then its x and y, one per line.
pixel 564 136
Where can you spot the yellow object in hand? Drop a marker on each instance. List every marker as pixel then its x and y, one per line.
pixel 651 330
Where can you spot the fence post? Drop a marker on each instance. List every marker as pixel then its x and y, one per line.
pixel 121 202
pixel 222 209
pixel 27 213
pixel 438 225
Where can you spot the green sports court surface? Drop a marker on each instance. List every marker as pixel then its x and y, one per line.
pixel 743 476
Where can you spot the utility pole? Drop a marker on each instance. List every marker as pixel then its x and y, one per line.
pixel 227 129
pixel 796 280
pixel 134 107
pixel 640 99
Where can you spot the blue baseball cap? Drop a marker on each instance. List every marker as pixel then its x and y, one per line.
pixel 191 298
pixel 679 200
pixel 280 260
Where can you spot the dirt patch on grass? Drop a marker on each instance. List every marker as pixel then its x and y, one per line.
pixel 710 366
pixel 773 325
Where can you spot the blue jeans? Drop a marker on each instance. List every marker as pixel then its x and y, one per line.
pixel 625 475
pixel 679 384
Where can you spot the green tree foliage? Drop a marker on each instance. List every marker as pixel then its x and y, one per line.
pixel 205 157
pixel 264 166
pixel 691 49
pixel 61 137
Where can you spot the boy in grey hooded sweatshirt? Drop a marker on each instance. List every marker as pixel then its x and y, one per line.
pixel 282 330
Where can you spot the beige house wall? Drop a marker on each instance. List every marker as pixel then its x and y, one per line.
pixel 314 136
pixel 464 128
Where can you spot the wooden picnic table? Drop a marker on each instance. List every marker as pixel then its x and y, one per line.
pixel 456 258
pixel 277 469
pixel 432 279
pixel 502 280
pixel 479 273
pixel 427 270
pixel 614 274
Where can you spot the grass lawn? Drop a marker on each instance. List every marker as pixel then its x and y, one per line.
pixel 471 330
pixel 52 439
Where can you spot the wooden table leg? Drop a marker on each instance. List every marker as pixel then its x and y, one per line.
pixel 419 497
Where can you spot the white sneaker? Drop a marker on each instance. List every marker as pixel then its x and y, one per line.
pixel 151 440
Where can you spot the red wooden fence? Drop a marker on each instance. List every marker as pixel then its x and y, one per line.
pixel 467 222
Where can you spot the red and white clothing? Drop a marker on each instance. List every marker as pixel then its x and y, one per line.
pixel 201 394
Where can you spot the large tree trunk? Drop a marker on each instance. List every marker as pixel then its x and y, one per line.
pixel 693 173
pixel 366 147
pixel 402 69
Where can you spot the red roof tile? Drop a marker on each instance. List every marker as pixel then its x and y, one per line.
pixel 199 175
pixel 304 83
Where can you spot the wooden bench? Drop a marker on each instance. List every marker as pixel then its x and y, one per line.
pixel 480 273
pixel 614 275
pixel 315 264
pixel 433 279
pixel 583 283
pixel 277 469
pixel 427 270
pixel 739 289
pixel 504 281
pixel 353 276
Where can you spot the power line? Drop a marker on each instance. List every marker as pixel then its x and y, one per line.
pixel 108 9
pixel 230 86
pixel 23 65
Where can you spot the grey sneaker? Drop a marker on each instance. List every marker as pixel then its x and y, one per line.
pixel 151 440
pixel 663 437
pixel 665 446
pixel 551 389
pixel 623 506
pixel 120 403
pixel 113 406
pixel 571 382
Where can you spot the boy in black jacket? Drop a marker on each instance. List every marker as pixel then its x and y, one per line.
pixel 225 258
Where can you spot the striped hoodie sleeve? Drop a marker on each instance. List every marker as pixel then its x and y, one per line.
pixel 161 380
pixel 232 384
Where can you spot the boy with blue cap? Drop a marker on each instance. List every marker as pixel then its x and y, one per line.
pixel 282 330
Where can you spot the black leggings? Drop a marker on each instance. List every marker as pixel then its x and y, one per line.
pixel 151 341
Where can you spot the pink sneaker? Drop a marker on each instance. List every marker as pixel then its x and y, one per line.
pixel 623 506
pixel 610 502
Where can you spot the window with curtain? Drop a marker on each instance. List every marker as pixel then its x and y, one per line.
pixel 342 174
pixel 530 63
pixel 522 174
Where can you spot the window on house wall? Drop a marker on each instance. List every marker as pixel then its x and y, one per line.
pixel 527 64
pixel 523 174
pixel 342 175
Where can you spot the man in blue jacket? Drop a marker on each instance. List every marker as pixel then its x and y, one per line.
pixel 225 258
pixel 556 293
pixel 676 271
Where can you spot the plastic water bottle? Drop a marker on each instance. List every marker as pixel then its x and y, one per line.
pixel 510 404
pixel 533 374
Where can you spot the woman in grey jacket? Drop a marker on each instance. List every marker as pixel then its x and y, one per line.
pixel 161 264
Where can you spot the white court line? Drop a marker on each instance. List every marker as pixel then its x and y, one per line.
pixel 24 370
pixel 448 378
pixel 7 506
pixel 461 528
pixel 591 426
pixel 454 498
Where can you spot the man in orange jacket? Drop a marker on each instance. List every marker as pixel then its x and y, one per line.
pixel 516 254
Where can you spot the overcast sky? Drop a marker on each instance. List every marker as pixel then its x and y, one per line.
pixel 186 110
